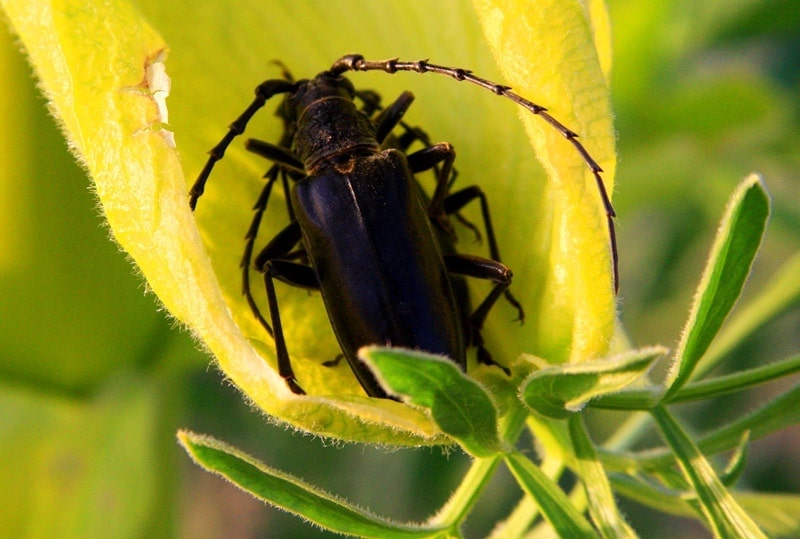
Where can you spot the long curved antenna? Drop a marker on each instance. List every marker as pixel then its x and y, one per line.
pixel 356 62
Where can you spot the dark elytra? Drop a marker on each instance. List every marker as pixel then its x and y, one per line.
pixel 361 229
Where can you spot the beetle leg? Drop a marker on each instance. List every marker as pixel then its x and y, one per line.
pixel 279 247
pixel 292 273
pixel 250 239
pixel 481 268
pixel 428 158
pixel 296 275
pixel 392 116
pixel 444 203
pixel 455 202
pixel 264 92
pixel 281 155
pixel 371 100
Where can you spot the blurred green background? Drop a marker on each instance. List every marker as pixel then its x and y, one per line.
pixel 95 380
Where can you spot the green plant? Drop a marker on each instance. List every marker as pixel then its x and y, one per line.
pixel 148 217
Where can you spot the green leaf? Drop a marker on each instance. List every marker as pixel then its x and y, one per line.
pixel 645 491
pixel 779 294
pixel 567 74
pixel 777 414
pixel 738 381
pixel 723 514
pixel 458 507
pixel 293 495
pixel 775 513
pixel 735 467
pixel 735 247
pixel 602 505
pixel 559 391
pixel 555 506
pixel 458 404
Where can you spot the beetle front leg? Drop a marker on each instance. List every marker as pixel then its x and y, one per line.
pixel 280 155
pixel 295 275
pixel 429 158
pixel 392 116
pixel 264 92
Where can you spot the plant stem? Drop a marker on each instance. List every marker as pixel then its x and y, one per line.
pixel 458 507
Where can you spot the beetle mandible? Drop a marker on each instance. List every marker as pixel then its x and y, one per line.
pixel 360 231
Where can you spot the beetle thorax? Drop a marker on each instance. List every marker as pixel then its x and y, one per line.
pixel 329 126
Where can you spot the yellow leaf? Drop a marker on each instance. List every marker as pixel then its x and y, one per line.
pixel 546 52
pixel 104 71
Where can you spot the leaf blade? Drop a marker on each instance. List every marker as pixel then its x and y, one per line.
pixel 553 503
pixel 723 514
pixel 738 239
pixel 602 505
pixel 458 404
pixel 293 495
pixel 561 390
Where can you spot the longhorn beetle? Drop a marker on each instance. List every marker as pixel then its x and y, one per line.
pixel 360 231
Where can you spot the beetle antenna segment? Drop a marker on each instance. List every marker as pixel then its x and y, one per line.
pixel 356 62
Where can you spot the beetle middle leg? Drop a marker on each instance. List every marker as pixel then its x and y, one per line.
pixel 443 203
pixel 286 165
pixel 440 158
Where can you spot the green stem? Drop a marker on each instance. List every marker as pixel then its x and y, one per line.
pixel 460 504
pixel 458 507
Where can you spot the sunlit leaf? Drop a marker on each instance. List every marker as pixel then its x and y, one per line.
pixel 602 506
pixel 553 503
pixel 562 390
pixel 458 405
pixel 292 494
pixel 738 239
pixel 723 514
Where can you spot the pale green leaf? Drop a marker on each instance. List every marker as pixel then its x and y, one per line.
pixel 732 254
pixel 779 413
pixel 555 506
pixel 292 494
pixel 723 514
pixel 458 404
pixel 602 505
pixel 779 294
pixel 559 391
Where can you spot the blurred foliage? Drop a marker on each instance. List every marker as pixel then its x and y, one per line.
pixel 94 381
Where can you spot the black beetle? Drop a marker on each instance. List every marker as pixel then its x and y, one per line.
pixel 361 230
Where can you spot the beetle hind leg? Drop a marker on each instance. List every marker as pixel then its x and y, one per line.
pixel 297 275
pixel 455 202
